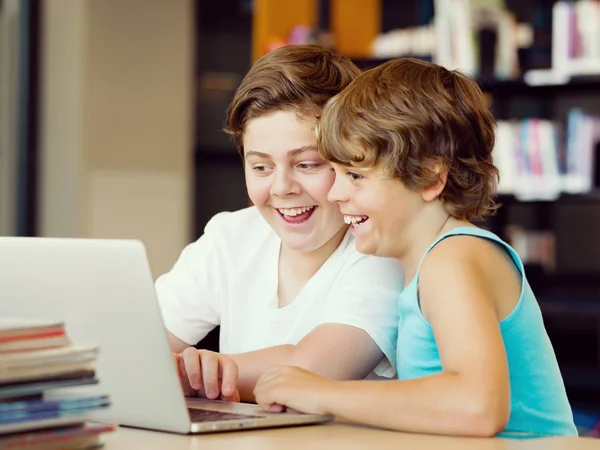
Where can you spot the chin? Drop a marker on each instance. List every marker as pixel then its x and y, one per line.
pixel 366 248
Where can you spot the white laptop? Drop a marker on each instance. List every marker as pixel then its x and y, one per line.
pixel 104 291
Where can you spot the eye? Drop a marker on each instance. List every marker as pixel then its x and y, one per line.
pixel 354 176
pixel 308 165
pixel 260 168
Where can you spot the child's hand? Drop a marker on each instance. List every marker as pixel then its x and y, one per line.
pixel 208 374
pixel 292 387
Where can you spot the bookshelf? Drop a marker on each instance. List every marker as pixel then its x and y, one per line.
pixel 569 295
pixel 509 86
pixel 568 290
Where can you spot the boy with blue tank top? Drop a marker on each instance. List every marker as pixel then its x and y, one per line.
pixel 411 145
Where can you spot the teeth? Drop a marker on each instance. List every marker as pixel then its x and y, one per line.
pixel 294 211
pixel 354 220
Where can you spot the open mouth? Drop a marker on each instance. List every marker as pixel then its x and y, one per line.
pixel 296 215
pixel 355 221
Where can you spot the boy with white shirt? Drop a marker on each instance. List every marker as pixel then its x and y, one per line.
pixel 283 279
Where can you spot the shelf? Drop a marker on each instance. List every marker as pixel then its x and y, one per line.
pixel 580 286
pixel 516 86
pixel 585 306
pixel 581 379
pixel 370 63
pixel 217 155
pixel 589 197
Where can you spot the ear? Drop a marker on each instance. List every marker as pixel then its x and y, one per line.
pixel 435 190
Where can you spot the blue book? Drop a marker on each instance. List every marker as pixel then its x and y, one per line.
pixel 22 411
pixel 39 386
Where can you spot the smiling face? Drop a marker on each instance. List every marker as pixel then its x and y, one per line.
pixel 288 181
pixel 381 210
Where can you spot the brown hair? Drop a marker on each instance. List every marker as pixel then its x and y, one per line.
pixel 407 114
pixel 295 77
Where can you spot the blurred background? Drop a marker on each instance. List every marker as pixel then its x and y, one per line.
pixel 111 117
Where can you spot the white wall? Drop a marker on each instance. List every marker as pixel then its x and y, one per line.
pixel 116 117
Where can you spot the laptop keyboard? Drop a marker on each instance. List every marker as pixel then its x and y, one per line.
pixel 207 415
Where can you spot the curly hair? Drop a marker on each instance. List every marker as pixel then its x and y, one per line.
pixel 407 114
pixel 296 77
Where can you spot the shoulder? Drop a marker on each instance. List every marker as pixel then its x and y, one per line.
pixel 230 235
pixel 233 222
pixel 464 254
pixel 238 227
pixel 463 267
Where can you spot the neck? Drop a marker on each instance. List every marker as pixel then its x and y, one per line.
pixel 433 222
pixel 306 264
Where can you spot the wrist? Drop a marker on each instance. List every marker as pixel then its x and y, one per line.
pixel 330 397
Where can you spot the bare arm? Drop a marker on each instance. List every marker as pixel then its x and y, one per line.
pixel 176 344
pixel 368 299
pixel 336 349
pixel 340 352
pixel 470 397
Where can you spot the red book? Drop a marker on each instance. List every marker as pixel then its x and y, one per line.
pixel 12 329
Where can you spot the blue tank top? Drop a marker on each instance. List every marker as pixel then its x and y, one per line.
pixel 539 405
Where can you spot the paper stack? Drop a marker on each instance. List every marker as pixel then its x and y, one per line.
pixel 37 362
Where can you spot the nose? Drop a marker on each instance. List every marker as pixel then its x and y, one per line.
pixel 337 192
pixel 284 184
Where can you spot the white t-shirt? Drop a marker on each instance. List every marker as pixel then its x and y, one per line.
pixel 229 277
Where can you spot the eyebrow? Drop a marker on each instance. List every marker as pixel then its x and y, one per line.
pixel 294 152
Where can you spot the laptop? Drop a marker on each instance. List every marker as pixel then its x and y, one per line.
pixel 104 292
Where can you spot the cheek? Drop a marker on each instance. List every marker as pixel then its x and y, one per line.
pixel 376 206
pixel 258 189
pixel 392 211
pixel 319 185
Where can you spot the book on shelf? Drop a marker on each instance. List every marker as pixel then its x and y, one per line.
pixel 533 246
pixel 540 159
pixel 481 38
pixel 575 43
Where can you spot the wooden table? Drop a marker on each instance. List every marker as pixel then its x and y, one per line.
pixel 329 437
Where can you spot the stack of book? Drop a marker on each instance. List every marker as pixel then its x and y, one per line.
pixel 38 362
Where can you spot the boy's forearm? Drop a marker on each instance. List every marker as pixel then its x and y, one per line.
pixel 252 365
pixel 440 404
pixel 336 351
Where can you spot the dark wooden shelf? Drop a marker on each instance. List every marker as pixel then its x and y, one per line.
pixel 581 379
pixel 518 86
pixel 513 86
pixel 369 63
pixel 592 196
pixel 217 155
pixel 581 306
